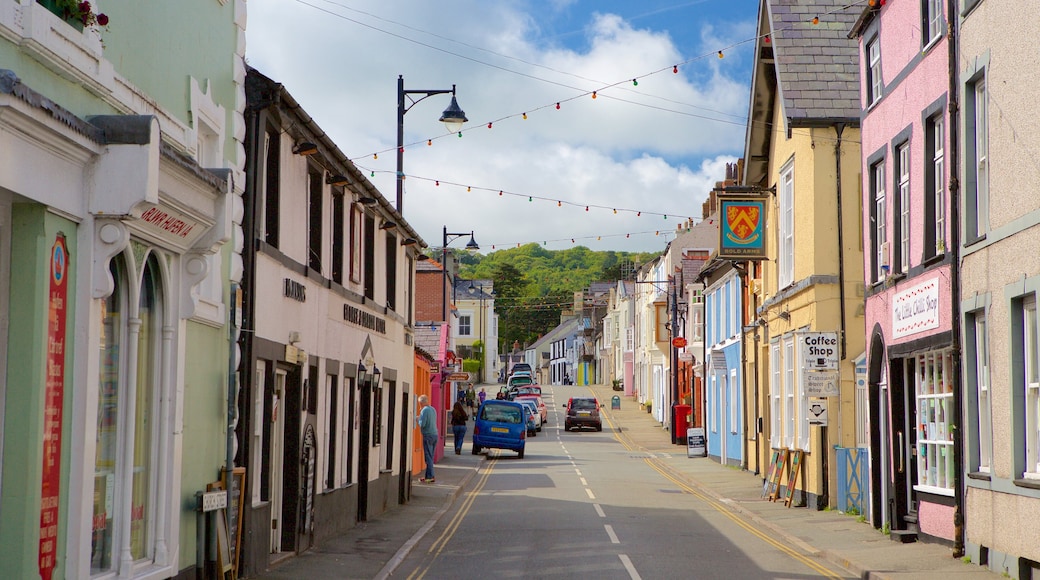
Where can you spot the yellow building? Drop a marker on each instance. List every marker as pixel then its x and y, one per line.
pixel 802 148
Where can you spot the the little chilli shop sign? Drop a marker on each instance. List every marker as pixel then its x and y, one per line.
pixel 915 309
pixel 742 227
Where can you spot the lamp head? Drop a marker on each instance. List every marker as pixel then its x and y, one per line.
pixel 362 373
pixel 305 148
pixel 453 117
pixel 412 242
pixel 472 244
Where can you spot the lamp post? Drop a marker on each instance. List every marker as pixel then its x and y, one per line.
pixel 453 117
pixel 471 246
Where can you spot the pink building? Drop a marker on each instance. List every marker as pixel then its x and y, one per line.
pixel 910 244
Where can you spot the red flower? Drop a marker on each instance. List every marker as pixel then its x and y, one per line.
pixel 102 19
pixel 84 6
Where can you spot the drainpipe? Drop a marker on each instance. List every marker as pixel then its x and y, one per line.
pixel 955 275
pixel 743 367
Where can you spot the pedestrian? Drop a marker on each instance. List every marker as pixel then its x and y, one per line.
pixel 482 395
pixel 471 398
pixel 428 427
pixel 458 425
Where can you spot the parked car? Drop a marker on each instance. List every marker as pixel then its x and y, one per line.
pixel 541 406
pixel 518 367
pixel 500 425
pixel 519 381
pixel 582 412
pixel 526 390
pixel 532 424
pixel 535 411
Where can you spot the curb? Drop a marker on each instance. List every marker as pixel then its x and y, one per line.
pixel 407 547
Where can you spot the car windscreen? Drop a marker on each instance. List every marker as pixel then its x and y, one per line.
pixel 521 381
pixel 501 414
pixel 530 404
pixel 583 404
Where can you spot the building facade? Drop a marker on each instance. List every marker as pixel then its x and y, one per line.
pixel 910 266
pixel 996 89
pixel 328 399
pixel 119 193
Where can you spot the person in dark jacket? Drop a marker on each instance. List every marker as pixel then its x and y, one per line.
pixel 458 424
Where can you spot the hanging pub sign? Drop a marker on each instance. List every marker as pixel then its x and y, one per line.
pixel 742 227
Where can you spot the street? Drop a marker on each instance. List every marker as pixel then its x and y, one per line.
pixel 584 504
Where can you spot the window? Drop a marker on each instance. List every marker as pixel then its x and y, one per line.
pixel 931 373
pixel 347 466
pixel 1031 360
pixel 130 416
pixel 338 236
pixel 881 248
pixel 630 339
pixel 369 267
pixel 932 16
pixel 661 322
pixel 978 160
pixel 786 257
pixel 774 390
pixel 391 271
pixel 902 235
pixel 874 86
pixel 314 216
pixel 716 403
pixel 790 403
pixel 935 202
pixel 465 325
pixel 696 326
pixel 978 357
pixel 272 198
pixel 734 402
pixel 356 219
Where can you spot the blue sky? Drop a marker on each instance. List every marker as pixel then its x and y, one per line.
pixel 647 150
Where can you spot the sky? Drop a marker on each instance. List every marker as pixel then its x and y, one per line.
pixel 650 145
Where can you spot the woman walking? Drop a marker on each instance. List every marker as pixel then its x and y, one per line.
pixel 458 424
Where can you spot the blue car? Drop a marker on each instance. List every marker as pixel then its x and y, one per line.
pixel 500 425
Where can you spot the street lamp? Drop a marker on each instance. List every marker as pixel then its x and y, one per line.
pixel 453 117
pixel 470 246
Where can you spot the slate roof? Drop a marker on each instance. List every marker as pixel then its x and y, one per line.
pixel 428 338
pixel 817 65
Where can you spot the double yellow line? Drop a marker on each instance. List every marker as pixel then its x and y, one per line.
pixel 449 531
pixel 726 511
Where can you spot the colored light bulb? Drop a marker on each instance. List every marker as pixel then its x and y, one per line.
pixel 815 19
pixel 559 204
pixel 429 142
pixel 460 134
pixel 635 83
pixel 557 106
pixel 489 125
pixel 525 116
pixel 720 54
pixel 375 156
pixel 586 208
pixel 437 183
pixel 675 69
pixel 468 189
pixel 639 213
pixel 593 94
pixel 400 149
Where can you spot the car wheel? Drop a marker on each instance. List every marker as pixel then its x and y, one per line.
pixel 476 449
pixel 539 428
pixel 520 454
pixel 599 427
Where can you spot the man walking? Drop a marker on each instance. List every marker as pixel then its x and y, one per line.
pixel 428 427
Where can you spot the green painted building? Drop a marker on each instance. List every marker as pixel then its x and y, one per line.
pixel 121 173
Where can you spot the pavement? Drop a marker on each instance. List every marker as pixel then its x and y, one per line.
pixel 375 548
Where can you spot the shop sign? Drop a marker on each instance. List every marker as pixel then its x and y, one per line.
pixel 742 227
pixel 915 309
pixel 819 350
pixel 54 396
pixel 695 444
pixel 176 228
pixel 818 412
pixel 820 383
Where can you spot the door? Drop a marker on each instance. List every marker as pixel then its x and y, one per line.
pixel 902 446
pixel 364 449
pixel 405 473
pixel 275 473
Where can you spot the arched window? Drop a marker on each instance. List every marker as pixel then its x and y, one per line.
pixel 127 458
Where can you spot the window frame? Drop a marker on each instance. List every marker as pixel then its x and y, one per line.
pixel 879 210
pixel 935 180
pixel 1031 387
pixel 874 86
pixel 791 404
pixel 902 159
pixel 979 381
pixel 978 162
pixel 775 386
pixel 785 265
pixel 930 374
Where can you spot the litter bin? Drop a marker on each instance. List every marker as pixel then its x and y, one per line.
pixel 680 422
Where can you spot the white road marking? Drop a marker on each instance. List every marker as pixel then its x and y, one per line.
pixel 583 482
pixel 628 566
pixel 613 536
pixel 589 492
pixel 599 510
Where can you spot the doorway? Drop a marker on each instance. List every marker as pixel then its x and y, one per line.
pixel 364 449
pixel 405 478
pixel 275 471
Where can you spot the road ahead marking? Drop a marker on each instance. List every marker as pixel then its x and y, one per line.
pixel 613 536
pixel 628 566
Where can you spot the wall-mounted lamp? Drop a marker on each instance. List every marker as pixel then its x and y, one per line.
pixel 411 242
pixel 388 225
pixel 422 258
pixel 362 373
pixel 784 314
pixel 337 179
pixel 305 148
pixel 367 200
pixel 377 378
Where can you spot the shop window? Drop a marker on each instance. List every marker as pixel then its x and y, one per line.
pixel 129 416
pixel 931 373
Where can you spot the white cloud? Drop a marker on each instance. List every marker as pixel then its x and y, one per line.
pixel 656 153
